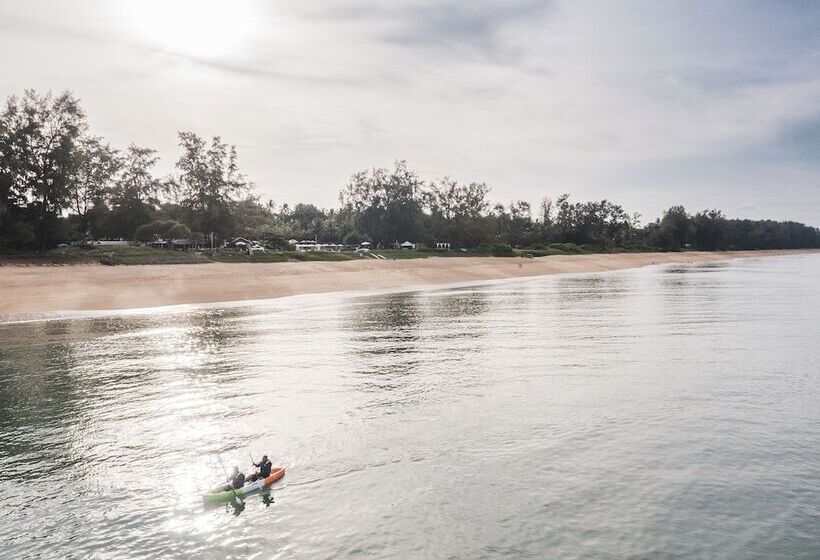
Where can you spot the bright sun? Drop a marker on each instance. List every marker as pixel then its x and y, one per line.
pixel 204 28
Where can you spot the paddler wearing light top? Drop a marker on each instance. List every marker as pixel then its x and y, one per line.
pixel 235 481
pixel 264 467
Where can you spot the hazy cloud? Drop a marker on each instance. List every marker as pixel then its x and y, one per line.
pixel 646 103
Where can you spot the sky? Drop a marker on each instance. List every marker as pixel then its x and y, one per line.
pixel 648 104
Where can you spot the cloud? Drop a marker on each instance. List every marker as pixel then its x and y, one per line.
pixel 649 103
pixel 447 24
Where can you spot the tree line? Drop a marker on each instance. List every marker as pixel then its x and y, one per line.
pixel 59 183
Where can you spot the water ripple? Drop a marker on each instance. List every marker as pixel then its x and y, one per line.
pixel 662 413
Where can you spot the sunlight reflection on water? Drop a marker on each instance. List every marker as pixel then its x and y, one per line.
pixel 667 412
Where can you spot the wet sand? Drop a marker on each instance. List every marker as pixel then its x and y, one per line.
pixel 43 289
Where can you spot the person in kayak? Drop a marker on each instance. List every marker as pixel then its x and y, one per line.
pixel 264 467
pixel 235 481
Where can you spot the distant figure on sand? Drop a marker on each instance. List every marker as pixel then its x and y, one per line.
pixel 264 466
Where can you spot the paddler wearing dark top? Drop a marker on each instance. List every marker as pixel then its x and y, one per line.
pixel 264 467
pixel 236 480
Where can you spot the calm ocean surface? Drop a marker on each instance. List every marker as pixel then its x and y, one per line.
pixel 668 412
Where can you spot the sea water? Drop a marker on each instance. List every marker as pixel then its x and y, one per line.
pixel 659 413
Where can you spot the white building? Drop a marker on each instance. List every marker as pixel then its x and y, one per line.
pixel 308 245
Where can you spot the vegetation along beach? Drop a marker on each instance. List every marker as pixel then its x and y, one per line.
pixel 70 198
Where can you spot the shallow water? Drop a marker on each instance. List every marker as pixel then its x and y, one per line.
pixel 667 412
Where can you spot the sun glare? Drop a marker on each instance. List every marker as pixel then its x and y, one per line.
pixel 204 28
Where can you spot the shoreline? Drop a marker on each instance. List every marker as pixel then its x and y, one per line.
pixel 48 289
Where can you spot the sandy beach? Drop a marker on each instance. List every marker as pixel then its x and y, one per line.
pixel 39 289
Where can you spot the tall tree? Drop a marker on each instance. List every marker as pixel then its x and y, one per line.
pixel 96 166
pixel 15 227
pixel 209 182
pixel 37 145
pixel 453 201
pixel 709 229
pixel 137 181
pixel 387 203
pixel 457 212
pixel 514 224
pixel 546 211
pixel 674 228
pixel 135 194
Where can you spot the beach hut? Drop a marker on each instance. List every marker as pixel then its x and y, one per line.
pixel 407 246
pixel 111 242
pixel 158 244
pixel 305 245
pixel 181 244
pixel 238 243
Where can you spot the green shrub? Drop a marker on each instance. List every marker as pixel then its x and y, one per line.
pixel 570 248
pixel 319 256
pixel 499 250
pixel 168 229
pixel 246 258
